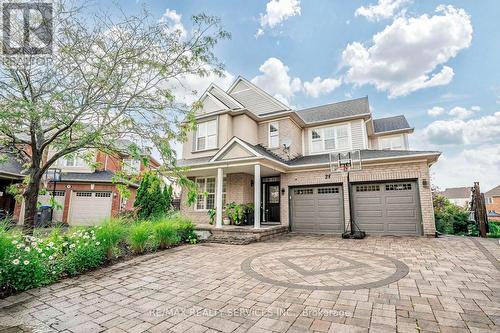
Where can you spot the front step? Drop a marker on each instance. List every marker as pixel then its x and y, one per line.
pixel 238 235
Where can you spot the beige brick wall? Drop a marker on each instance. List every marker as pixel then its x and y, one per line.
pixel 417 170
pixel 238 189
pixel 287 130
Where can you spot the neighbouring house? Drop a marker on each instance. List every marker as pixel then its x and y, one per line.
pixel 252 148
pixel 460 196
pixel 87 194
pixel 492 198
pixel 10 173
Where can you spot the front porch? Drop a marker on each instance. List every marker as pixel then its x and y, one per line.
pixel 253 183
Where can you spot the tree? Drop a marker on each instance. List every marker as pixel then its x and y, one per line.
pixel 107 79
pixel 151 200
pixel 167 193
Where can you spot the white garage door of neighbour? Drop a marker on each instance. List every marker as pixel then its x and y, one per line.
pixel 89 208
pixel 59 196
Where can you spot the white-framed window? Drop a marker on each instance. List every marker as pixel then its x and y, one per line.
pixel 489 200
pixel 391 143
pixel 330 138
pixel 206 192
pixel 206 135
pixel 131 165
pixel 274 135
pixel 71 161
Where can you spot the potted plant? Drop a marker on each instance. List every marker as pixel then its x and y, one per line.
pixel 249 213
pixel 211 215
pixel 234 213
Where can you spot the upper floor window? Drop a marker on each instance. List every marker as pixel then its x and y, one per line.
pixel 489 200
pixel 330 138
pixel 206 135
pixel 391 143
pixel 71 161
pixel 274 135
pixel 131 165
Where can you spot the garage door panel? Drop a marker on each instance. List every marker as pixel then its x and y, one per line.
pixel 90 208
pixel 317 209
pixel 389 208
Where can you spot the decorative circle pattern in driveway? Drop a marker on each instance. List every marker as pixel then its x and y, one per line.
pixel 324 269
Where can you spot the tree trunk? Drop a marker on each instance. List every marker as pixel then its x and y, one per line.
pixel 30 204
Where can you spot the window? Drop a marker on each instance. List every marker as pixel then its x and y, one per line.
pixel 206 135
pixel 391 143
pixel 367 188
pixel 206 193
pixel 328 190
pixel 131 166
pixel 71 161
pixel 489 200
pixel 398 187
pixel 330 138
pixel 304 192
pixel 274 134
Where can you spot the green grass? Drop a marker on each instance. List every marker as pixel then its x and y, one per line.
pixel 140 237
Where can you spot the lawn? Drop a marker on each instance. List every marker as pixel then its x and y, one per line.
pixel 30 261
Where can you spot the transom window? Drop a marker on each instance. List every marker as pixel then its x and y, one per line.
pixel 330 138
pixel 367 188
pixel 206 135
pixel 274 141
pixel 206 193
pixel 398 187
pixel 391 143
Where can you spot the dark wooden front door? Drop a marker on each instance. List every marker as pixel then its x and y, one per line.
pixel 271 206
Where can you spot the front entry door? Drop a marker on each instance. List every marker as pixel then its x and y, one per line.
pixel 271 202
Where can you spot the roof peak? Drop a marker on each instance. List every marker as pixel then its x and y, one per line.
pixel 334 103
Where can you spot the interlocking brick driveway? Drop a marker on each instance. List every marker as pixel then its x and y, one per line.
pixel 292 284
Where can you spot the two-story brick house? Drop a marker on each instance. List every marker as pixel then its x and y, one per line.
pixel 492 198
pixel 250 147
pixel 87 194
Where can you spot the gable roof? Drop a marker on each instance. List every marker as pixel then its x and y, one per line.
pixel 457 193
pixel 224 97
pixel 344 109
pixel 493 192
pixel 390 124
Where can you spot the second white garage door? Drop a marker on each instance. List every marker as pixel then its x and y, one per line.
pixel 89 208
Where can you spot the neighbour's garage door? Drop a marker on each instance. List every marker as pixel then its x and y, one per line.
pixel 317 209
pixel 89 208
pixel 387 208
pixel 46 200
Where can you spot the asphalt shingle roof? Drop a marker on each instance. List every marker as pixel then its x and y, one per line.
pixel 342 109
pixel 457 192
pixel 494 191
pixel 97 176
pixel 11 166
pixel 390 124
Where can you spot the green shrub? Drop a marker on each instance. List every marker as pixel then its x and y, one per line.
pixel 494 229
pixel 451 219
pixel 110 234
pixel 152 201
pixel 165 233
pixel 140 237
pixel 82 251
pixel 184 226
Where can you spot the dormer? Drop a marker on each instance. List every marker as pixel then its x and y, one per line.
pixel 390 133
pixel 214 99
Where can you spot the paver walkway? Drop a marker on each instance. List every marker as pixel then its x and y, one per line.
pixel 291 284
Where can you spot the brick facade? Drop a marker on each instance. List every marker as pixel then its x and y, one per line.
pixel 494 206
pixel 240 191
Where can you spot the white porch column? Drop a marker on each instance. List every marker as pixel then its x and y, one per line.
pixel 218 198
pixel 256 188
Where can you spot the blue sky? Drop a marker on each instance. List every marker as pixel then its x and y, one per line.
pixel 435 62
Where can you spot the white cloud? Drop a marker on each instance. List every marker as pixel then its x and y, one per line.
pixel 459 132
pixel 276 80
pixel 173 21
pixel 463 113
pixel 410 54
pixel 191 87
pixel 435 111
pixel 479 163
pixel 382 10
pixel 277 11
pixel 318 86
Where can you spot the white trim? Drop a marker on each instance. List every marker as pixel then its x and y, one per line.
pixel 216 100
pixel 276 124
pixel 365 134
pixel 228 145
pixel 196 209
pixel 390 137
pixel 402 130
pixel 216 120
pixel 216 87
pixel 324 151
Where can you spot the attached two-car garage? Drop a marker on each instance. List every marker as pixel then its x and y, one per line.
pixel 378 208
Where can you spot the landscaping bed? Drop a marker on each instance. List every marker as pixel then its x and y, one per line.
pixel 30 261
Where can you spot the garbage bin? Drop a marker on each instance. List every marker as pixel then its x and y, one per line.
pixel 43 217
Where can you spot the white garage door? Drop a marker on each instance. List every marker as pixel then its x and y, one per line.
pixel 89 208
pixel 59 198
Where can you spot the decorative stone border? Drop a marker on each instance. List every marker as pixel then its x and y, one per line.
pixel 401 271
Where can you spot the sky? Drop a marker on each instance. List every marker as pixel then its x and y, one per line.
pixel 436 62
